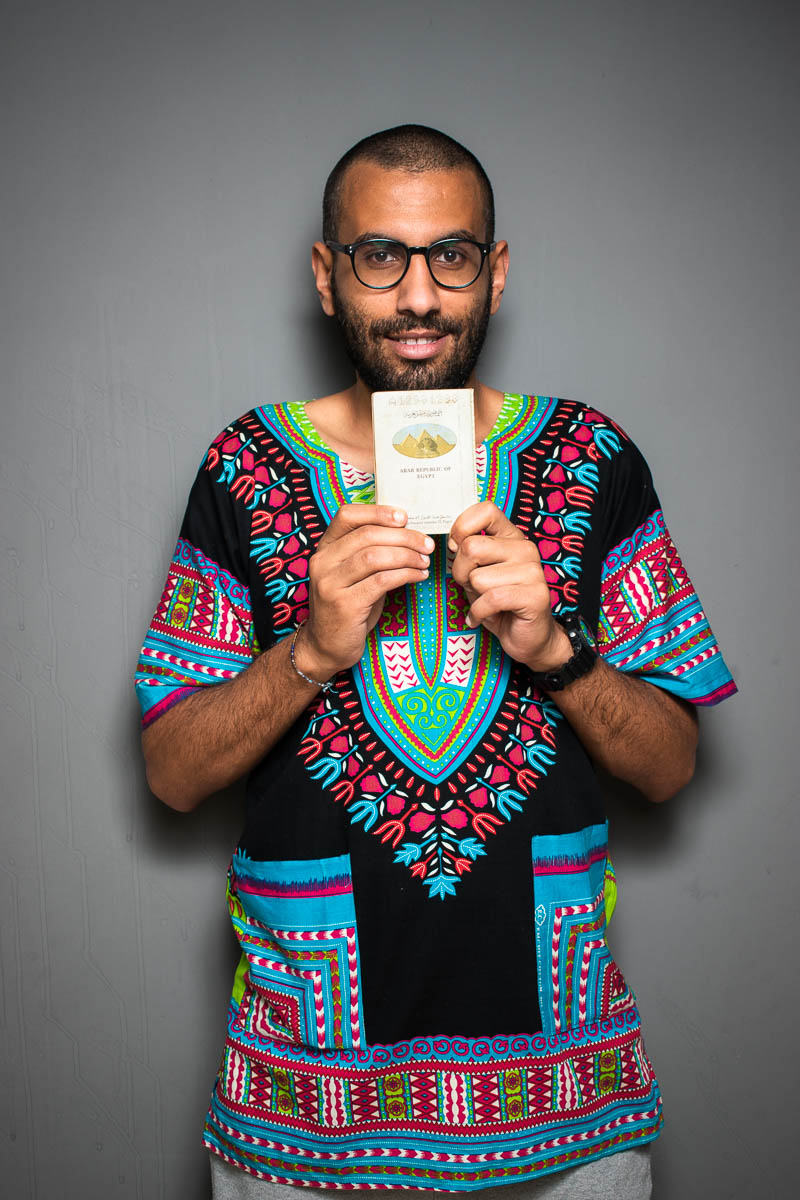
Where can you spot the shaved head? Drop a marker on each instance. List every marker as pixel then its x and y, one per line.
pixel 408 148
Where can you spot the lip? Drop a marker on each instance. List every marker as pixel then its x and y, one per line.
pixel 416 345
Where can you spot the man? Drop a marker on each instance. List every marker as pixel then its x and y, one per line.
pixel 425 997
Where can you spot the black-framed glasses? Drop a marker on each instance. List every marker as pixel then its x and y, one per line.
pixel 382 263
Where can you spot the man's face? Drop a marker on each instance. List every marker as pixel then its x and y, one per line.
pixel 416 334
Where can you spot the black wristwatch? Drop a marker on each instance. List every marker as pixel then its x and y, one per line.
pixel 584 656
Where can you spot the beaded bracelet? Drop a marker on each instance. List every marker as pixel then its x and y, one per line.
pixel 325 687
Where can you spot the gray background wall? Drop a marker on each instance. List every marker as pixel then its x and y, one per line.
pixel 162 166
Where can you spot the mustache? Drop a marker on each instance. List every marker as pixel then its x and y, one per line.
pixel 433 323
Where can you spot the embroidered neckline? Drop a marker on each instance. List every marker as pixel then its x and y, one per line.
pixel 509 411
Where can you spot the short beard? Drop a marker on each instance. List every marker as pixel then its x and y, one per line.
pixel 362 339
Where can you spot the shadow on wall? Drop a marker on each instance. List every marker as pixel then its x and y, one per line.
pixel 167 837
pixel 326 368
pixel 658 833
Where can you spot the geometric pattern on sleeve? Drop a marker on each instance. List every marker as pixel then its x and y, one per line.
pixel 651 621
pixel 201 633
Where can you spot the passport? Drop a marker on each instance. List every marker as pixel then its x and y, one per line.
pixel 425 454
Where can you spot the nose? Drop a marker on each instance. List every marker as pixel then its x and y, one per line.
pixel 417 292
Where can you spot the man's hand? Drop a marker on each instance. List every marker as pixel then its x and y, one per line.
pixel 501 573
pixel 638 732
pixel 365 552
pixel 219 733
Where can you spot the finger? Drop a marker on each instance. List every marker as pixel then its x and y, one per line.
pixel 348 531
pixel 527 603
pixel 506 575
pixel 359 540
pixel 477 550
pixel 354 516
pixel 330 577
pixel 377 560
pixel 374 588
pixel 484 517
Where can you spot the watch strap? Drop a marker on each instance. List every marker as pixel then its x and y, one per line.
pixel 584 656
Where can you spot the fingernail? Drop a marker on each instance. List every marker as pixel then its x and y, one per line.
pixel 470 620
pixel 399 516
pixel 451 545
pixel 429 544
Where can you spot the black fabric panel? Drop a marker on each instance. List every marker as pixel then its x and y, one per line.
pixel 218 524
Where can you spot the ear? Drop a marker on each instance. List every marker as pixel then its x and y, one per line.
pixel 322 266
pixel 498 266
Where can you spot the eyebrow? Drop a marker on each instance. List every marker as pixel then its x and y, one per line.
pixel 372 235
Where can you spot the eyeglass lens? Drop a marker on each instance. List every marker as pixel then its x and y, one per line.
pixel 452 263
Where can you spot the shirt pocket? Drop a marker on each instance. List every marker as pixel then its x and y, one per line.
pixel 579 982
pixel 299 976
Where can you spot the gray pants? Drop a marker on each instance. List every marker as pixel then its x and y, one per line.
pixel 622 1176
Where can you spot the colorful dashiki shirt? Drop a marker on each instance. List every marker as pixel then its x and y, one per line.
pixel 425 996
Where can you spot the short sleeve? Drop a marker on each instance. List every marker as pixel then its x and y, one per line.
pixel 651 621
pixel 202 632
